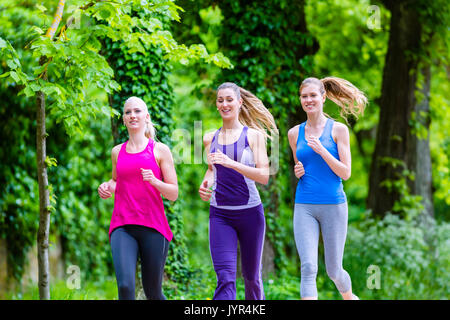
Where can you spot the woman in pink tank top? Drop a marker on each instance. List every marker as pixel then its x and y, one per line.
pixel 142 171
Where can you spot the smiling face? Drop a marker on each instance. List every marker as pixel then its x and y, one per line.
pixel 311 98
pixel 228 104
pixel 135 114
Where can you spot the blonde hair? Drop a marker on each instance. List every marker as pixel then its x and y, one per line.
pixel 150 131
pixel 349 98
pixel 253 113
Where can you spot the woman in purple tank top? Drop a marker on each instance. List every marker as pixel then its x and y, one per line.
pixel 237 158
pixel 142 171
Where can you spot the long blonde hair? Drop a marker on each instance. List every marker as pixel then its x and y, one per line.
pixel 150 131
pixel 349 98
pixel 253 113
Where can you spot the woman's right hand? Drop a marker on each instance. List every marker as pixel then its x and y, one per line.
pixel 204 191
pixel 104 190
pixel 299 170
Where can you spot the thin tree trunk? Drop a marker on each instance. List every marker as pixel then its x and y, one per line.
pixel 44 200
pixel 41 154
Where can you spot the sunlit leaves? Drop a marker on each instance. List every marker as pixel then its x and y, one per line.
pixel 73 60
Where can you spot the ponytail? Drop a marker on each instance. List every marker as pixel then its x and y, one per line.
pixel 150 131
pixel 253 113
pixel 349 98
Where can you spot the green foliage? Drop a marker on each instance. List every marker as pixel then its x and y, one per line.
pixel 410 267
pixel 408 205
pixel 440 140
pixel 271 50
pixel 66 69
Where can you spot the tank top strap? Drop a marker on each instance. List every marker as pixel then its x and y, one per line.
pixel 301 132
pixel 327 130
pixel 151 145
pixel 244 136
pixel 122 149
pixel 214 141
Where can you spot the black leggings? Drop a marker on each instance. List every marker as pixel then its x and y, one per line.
pixel 126 243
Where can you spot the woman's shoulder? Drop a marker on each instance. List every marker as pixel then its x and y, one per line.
pixel 293 130
pixel 161 147
pixel 208 136
pixel 340 131
pixel 340 127
pixel 255 135
pixel 116 149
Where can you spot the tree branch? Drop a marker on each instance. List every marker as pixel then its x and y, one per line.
pixel 56 19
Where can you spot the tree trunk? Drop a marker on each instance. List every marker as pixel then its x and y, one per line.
pixel 41 154
pixel 396 147
pixel 419 159
pixel 44 200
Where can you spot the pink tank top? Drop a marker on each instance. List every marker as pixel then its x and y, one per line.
pixel 136 201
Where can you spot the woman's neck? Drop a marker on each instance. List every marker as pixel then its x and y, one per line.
pixel 231 124
pixel 316 120
pixel 137 139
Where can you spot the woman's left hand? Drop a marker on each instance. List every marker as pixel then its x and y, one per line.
pixel 315 144
pixel 219 157
pixel 147 175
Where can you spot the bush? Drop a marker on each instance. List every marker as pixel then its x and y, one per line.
pixel 413 261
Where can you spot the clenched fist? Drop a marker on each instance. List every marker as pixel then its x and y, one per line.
pixel 204 191
pixel 104 190
pixel 299 170
pixel 147 175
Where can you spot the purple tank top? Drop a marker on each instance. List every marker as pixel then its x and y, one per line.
pixel 136 201
pixel 232 190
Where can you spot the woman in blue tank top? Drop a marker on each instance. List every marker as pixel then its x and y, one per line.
pixel 321 151
pixel 237 158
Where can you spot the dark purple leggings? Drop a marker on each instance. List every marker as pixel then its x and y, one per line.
pixel 226 228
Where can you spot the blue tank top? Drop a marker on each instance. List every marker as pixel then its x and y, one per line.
pixel 319 184
pixel 231 189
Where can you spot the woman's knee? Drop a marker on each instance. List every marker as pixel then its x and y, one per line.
pixel 309 269
pixel 335 273
pixel 126 290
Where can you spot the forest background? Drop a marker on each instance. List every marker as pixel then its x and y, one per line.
pixel 173 54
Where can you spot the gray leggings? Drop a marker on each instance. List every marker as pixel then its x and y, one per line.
pixel 332 220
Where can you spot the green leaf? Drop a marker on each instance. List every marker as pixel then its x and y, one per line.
pixel 14 76
pixel 3 43
pixel 41 7
pixel 51 162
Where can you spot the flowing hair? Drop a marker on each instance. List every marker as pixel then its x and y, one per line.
pixel 150 131
pixel 253 113
pixel 349 98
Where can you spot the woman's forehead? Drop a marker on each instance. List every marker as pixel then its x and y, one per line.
pixel 310 88
pixel 226 92
pixel 134 104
